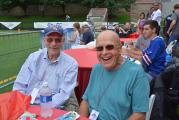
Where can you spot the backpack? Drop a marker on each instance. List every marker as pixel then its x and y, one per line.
pixel 171 83
pixel 166 88
pixel 157 88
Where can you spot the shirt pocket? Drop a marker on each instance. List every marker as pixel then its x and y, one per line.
pixel 55 83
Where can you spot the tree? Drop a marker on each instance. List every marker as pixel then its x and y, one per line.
pixel 110 4
pixel 126 4
pixel 6 4
pixel 63 3
pixel 60 3
pixel 9 4
pixel 42 5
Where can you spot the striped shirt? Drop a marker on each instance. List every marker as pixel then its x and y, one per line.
pixel 61 76
pixel 153 58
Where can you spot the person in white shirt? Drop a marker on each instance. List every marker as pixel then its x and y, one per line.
pixel 53 66
pixel 75 40
pixel 156 15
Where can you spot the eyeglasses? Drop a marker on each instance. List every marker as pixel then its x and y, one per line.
pixel 107 47
pixel 57 40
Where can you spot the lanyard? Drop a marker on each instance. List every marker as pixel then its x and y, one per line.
pixel 102 93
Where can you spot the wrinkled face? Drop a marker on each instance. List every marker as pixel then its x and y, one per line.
pixel 148 32
pixel 54 43
pixel 108 52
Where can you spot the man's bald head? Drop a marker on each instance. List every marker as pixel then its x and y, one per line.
pixel 108 49
pixel 108 35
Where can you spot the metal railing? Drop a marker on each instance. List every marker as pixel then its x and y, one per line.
pixel 14 49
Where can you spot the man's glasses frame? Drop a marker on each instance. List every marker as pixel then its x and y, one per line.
pixel 107 47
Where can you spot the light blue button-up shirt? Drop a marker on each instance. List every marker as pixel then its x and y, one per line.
pixel 61 76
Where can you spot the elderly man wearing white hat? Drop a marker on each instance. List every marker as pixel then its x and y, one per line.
pixel 49 65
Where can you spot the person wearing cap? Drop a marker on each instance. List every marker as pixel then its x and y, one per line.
pixel 87 35
pixel 49 65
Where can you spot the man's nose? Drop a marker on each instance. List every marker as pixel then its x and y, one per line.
pixel 53 42
pixel 104 50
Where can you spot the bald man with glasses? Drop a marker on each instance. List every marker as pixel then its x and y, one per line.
pixel 118 88
pixel 53 66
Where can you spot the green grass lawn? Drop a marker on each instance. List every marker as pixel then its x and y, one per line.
pixel 14 49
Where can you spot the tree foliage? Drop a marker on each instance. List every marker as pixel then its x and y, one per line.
pixel 9 4
pixel 110 4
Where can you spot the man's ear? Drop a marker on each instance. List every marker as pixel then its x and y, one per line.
pixel 63 38
pixel 120 49
pixel 154 30
pixel 45 41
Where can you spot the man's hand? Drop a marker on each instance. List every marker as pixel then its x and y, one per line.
pixel 132 52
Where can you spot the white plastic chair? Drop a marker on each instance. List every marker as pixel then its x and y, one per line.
pixel 151 103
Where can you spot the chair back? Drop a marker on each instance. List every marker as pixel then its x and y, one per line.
pixel 151 103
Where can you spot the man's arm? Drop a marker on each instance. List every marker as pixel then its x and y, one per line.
pixel 73 38
pixel 171 26
pixel 135 53
pixel 82 43
pixel 122 30
pixel 84 109
pixel 140 102
pixel 23 76
pixel 137 116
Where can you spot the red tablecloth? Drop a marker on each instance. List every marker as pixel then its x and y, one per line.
pixel 128 39
pixel 134 35
pixel 86 59
pixel 56 113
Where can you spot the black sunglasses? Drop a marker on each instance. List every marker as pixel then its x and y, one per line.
pixel 57 40
pixel 107 47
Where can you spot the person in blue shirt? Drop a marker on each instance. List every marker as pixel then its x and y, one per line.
pixel 118 88
pixel 87 35
pixel 49 65
pixel 153 57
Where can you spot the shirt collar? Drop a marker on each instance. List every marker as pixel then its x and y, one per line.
pixel 45 56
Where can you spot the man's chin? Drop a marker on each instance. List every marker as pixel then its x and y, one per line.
pixel 54 52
